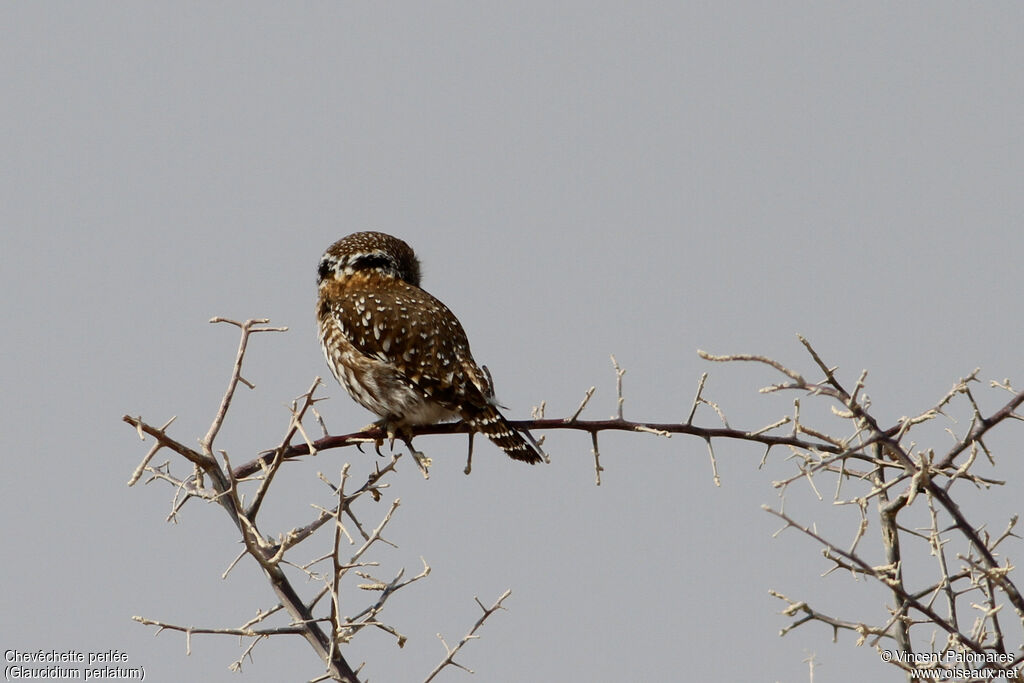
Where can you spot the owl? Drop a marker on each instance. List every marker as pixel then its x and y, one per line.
pixel 397 350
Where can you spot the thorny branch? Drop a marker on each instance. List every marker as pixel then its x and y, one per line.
pixel 896 474
pixel 213 479
pixel 225 493
pixel 889 469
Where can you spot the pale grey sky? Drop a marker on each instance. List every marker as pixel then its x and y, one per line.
pixel 579 179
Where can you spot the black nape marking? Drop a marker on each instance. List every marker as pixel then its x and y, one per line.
pixel 373 262
pixel 325 268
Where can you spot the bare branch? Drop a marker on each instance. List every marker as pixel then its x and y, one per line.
pixel 882 465
pixel 342 441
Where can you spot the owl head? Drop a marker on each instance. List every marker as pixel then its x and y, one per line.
pixel 369 252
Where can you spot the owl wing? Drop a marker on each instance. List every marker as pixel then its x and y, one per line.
pixel 419 337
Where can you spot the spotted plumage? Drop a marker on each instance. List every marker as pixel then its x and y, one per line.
pixel 400 352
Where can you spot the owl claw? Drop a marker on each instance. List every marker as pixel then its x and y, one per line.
pixel 391 431
pixel 395 431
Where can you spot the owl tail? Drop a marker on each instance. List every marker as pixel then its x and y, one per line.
pixel 518 445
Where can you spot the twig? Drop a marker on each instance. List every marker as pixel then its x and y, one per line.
pixel 248 328
pixel 619 372
pixel 137 474
pixel 449 659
